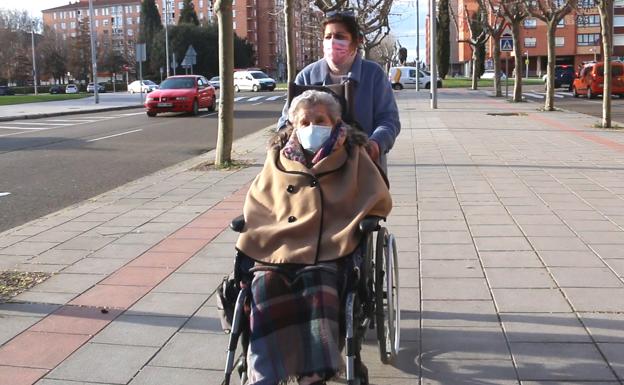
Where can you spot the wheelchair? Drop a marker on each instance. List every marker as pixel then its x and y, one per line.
pixel 371 299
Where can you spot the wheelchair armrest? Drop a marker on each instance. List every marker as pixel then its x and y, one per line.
pixel 369 224
pixel 238 223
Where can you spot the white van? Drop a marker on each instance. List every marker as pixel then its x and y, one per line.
pixel 252 81
pixel 405 77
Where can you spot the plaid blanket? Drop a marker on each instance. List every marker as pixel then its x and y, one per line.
pixel 294 323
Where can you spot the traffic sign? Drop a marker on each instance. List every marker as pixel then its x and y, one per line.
pixel 190 58
pixel 506 44
pixel 506 30
pixel 140 53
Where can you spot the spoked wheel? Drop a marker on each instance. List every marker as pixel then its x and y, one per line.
pixel 387 310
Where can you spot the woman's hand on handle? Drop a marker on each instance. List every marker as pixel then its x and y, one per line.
pixel 373 150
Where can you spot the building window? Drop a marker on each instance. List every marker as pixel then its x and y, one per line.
pixel 54 14
pixel 618 39
pixel 618 21
pixel 586 3
pixel 130 32
pixel 73 34
pixel 138 9
pixel 129 20
pixel 530 22
pixel 201 3
pixel 559 41
pixel 180 5
pixel 588 20
pixel 234 25
pixel 587 39
pixel 63 25
pixel 201 16
pixel 72 25
pixel 561 23
pixel 530 42
pixel 233 13
pixel 97 23
pixel 105 22
pixel 619 3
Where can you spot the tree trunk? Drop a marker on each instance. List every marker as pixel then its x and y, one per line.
pixel 475 79
pixel 289 25
pixel 549 103
pixel 223 154
pixel 515 28
pixel 606 17
pixel 497 66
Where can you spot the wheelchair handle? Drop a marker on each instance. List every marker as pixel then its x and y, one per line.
pixel 369 224
pixel 238 223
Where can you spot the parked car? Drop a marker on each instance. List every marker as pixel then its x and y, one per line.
pixel 590 80
pixel 91 88
pixel 489 74
pixel 564 76
pixel 148 86
pixel 405 77
pixel 215 82
pixel 5 90
pixel 252 81
pixel 184 93
pixel 57 89
pixel 71 89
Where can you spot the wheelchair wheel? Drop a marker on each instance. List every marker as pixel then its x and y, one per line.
pixel 387 308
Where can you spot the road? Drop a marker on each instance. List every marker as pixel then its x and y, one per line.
pixel 565 100
pixel 48 164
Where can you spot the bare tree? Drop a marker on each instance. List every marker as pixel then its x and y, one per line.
pixel 605 8
pixel 515 11
pixel 495 24
pixel 386 52
pixel 372 16
pixel 291 60
pixel 550 12
pixel 225 133
pixel 478 35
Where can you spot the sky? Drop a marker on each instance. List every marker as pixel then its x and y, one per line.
pixel 402 22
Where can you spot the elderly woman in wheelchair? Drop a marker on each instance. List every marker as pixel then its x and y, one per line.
pixel 305 253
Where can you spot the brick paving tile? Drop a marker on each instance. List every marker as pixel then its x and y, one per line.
pixel 169 260
pixel 111 296
pixel 10 375
pixel 190 246
pixel 40 350
pixel 137 276
pixel 76 320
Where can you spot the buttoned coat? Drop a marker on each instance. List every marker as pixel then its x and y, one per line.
pixel 299 215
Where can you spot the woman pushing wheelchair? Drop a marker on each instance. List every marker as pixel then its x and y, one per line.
pixel 302 214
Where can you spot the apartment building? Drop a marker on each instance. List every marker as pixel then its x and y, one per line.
pixel 577 39
pixel 259 21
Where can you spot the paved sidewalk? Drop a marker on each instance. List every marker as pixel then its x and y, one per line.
pixel 107 102
pixel 510 234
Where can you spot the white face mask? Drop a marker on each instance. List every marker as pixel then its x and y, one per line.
pixel 313 136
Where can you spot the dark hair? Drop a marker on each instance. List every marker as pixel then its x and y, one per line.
pixel 346 18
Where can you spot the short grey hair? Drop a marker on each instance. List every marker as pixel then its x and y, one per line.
pixel 312 98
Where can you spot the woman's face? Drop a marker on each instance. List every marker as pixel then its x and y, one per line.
pixel 317 114
pixel 339 31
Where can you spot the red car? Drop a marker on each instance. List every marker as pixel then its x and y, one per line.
pixel 185 93
pixel 590 80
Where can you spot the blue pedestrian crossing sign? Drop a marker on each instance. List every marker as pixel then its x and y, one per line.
pixel 506 44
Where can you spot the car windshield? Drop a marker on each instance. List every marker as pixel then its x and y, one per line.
pixel 616 70
pixel 177 83
pixel 259 75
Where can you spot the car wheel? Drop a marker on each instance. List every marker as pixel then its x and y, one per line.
pixel 574 92
pixel 195 108
pixel 427 86
pixel 255 88
pixel 236 88
pixel 397 86
pixel 213 105
pixel 151 114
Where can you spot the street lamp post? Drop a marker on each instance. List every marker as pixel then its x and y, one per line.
pixel 93 58
pixel 32 36
pixel 167 35
pixel 417 48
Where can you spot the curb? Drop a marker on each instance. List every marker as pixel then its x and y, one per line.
pixel 61 113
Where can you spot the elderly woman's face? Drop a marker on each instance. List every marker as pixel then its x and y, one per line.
pixel 317 114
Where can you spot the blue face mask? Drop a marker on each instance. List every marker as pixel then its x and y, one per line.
pixel 313 136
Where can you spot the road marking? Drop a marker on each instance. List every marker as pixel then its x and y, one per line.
pixel 43 124
pixel 70 120
pixel 207 115
pixel 255 104
pixel 100 117
pixel 255 98
pixel 557 95
pixel 538 96
pixel 112 136
pixel 27 128
pixel 240 98
pixel 275 97
pixel 132 114
pixel 566 93
pixel 3 194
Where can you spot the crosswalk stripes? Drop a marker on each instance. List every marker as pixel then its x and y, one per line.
pixel 255 98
